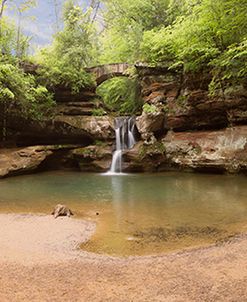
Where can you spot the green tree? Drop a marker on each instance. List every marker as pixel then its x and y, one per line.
pixel 125 23
pixel 73 49
pixel 201 37
pixel 22 42
pixel 2 7
pixel 12 40
pixel 7 37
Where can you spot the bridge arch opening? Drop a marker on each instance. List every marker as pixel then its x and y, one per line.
pixel 120 94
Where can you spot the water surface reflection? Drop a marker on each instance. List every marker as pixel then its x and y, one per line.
pixel 139 213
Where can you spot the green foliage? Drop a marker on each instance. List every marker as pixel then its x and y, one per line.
pixel 55 71
pixel 98 112
pixel 100 143
pixel 149 150
pixel 12 39
pixel 187 35
pixel 120 95
pixel 182 44
pixel 21 91
pixel 7 35
pixel 205 34
pixel 126 22
pixel 230 68
pixel 147 108
pixel 73 49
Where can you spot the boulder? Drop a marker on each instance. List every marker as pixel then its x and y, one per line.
pixel 95 158
pixel 61 210
pixel 150 123
pixel 144 158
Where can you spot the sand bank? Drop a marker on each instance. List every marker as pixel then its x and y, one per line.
pixel 39 261
pixel 31 239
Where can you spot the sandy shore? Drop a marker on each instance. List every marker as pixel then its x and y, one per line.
pixel 39 261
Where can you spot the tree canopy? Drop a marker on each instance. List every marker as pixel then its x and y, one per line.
pixel 189 36
pixel 193 35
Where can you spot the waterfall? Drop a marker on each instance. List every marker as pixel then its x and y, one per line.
pixel 125 139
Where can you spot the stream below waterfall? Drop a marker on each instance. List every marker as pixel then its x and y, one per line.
pixel 139 214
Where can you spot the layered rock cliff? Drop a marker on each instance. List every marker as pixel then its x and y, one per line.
pixel 181 128
pixel 186 129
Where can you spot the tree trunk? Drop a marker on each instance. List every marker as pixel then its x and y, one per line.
pixel 4 130
pixel 18 52
pixel 2 8
pixel 1 16
pixel 56 10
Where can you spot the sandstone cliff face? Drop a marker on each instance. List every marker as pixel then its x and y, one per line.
pixel 186 102
pixel 46 144
pixel 189 130
pixel 23 132
pixel 71 123
pixel 208 151
pixel 98 127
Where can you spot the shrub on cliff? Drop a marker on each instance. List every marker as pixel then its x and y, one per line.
pixel 230 68
pixel 21 91
pixel 21 94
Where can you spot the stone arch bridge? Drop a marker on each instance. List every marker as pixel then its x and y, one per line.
pixel 105 72
pixel 101 72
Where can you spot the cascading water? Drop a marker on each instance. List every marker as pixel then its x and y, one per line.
pixel 125 139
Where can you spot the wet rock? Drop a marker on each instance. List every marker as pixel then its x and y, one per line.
pixel 94 158
pixel 61 210
pixel 144 158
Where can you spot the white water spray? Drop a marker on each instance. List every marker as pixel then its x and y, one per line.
pixel 125 139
